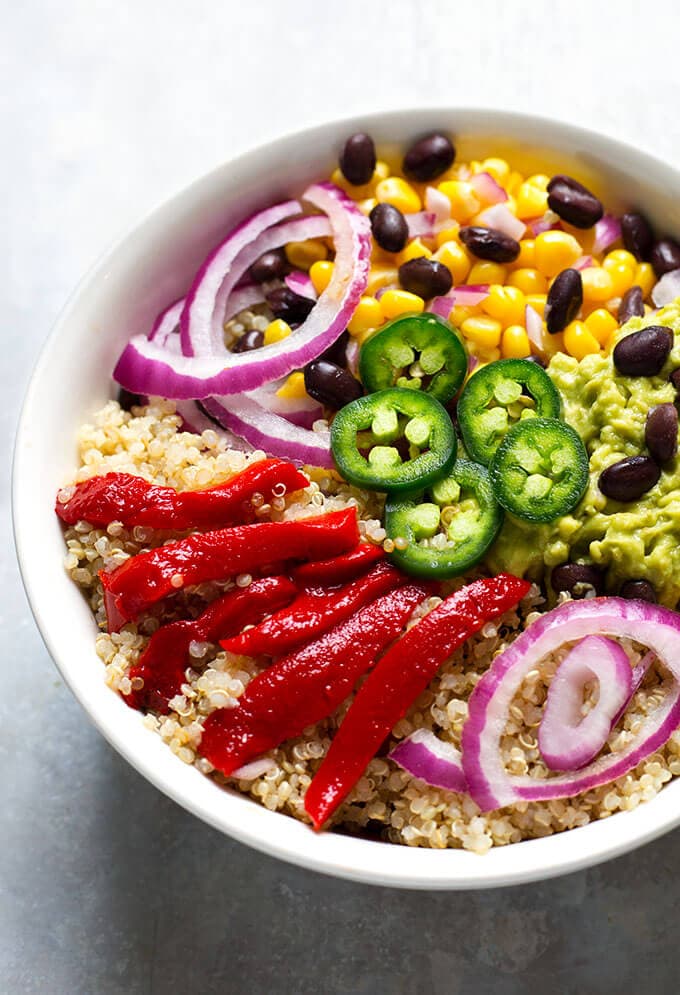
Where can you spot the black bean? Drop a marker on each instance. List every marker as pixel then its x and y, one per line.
pixel 565 298
pixel 425 277
pixel 330 384
pixel 270 266
pixel 637 234
pixel 577 579
pixel 643 353
pixel 249 341
pixel 337 353
pixel 357 159
pixel 429 158
pixel 675 379
pixel 661 432
pixel 389 227
pixel 128 400
pixel 573 202
pixel 288 305
pixel 665 256
pixel 489 243
pixel 632 305
pixel 629 478
pixel 638 590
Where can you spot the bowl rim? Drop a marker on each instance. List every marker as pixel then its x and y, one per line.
pixel 280 835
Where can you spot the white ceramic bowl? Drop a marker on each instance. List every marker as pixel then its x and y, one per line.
pixel 119 297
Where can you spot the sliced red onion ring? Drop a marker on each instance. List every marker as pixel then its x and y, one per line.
pixel 667 288
pixel 534 326
pixel 607 231
pixel 568 740
pixel 501 217
pixel 421 223
pixel 301 283
pixel 243 297
pixel 301 411
pixel 437 203
pixel 424 755
pixel 166 323
pixel 486 187
pixel 546 222
pixel 489 783
pixel 144 367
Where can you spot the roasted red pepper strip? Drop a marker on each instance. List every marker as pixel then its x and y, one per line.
pixel 312 613
pixel 401 675
pixel 323 573
pixel 304 687
pixel 163 663
pixel 123 497
pixel 146 578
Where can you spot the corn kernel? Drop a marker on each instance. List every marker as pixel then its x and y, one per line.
pixel 393 190
pixel 622 275
pixel 364 190
pixel 515 343
pixel 539 180
pixel 537 302
pixel 366 206
pixel 527 255
pixel 448 234
pixel 532 202
pixel 597 284
pixel 464 201
pixel 320 274
pixel 303 254
pixel 579 340
pixel 514 182
pixel 622 256
pixel 414 250
pixel 368 315
pixel 645 278
pixel 487 272
pixel 276 330
pixel 505 304
pixel 379 277
pixel 498 168
pixel 529 281
pixel 456 259
pixel 482 331
pixel 555 251
pixel 294 387
pixel 396 302
pixel 460 314
pixel 601 324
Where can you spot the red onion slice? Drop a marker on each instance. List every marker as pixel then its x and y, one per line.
pixel 166 323
pixel 546 222
pixel 442 306
pixel 667 288
pixel 468 295
pixel 424 755
pixel 607 231
pixel 301 283
pixel 568 740
pixel 534 326
pixel 422 223
pixel 437 203
pixel 489 784
pixel 585 262
pixel 243 297
pixel 488 190
pixel 501 217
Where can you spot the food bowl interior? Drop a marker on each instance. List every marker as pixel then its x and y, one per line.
pixel 120 297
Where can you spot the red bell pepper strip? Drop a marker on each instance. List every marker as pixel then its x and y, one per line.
pixel 312 613
pixel 163 663
pixel 401 675
pixel 308 685
pixel 143 580
pixel 323 573
pixel 123 497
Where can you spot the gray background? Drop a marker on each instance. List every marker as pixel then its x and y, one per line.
pixel 105 109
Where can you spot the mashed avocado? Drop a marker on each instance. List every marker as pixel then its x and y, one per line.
pixel 639 540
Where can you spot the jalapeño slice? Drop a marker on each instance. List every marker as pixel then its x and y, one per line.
pixel 393 440
pixel 540 470
pixel 448 527
pixel 498 395
pixel 419 351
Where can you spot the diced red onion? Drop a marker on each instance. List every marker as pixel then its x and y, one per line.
pixel 585 262
pixel 546 222
pixel 300 283
pixel 489 784
pixel 534 326
pixel 469 294
pixel 667 288
pixel 424 755
pixel 421 224
pixel 488 190
pixel 607 231
pixel 442 306
pixel 501 217
pixel 438 204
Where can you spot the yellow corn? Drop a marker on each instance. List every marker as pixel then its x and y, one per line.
pixel 529 281
pixel 514 182
pixel 303 254
pixel 276 330
pixel 455 257
pixel 294 387
pixel 527 255
pixel 414 250
pixel 396 302
pixel 368 315
pixel 464 201
pixel 379 277
pixel 320 274
pixel 539 180
pixel 515 343
pixel 555 251
pixel 537 302
pixel 532 202
pixel 622 274
pixel 621 256
pixel 366 206
pixel 645 278
pixel 365 190
pixel 482 331
pixel 460 314
pixel 505 304
pixel 448 234
pixel 487 272
pixel 396 191
pixel 579 340
pixel 597 284
pixel 498 168
pixel 600 323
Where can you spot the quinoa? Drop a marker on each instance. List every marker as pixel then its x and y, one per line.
pixel 386 802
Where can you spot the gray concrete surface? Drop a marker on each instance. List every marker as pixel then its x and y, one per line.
pixel 105 885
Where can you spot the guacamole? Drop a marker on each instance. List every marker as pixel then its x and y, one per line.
pixel 637 540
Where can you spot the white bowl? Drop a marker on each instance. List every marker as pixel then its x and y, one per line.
pixel 119 297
